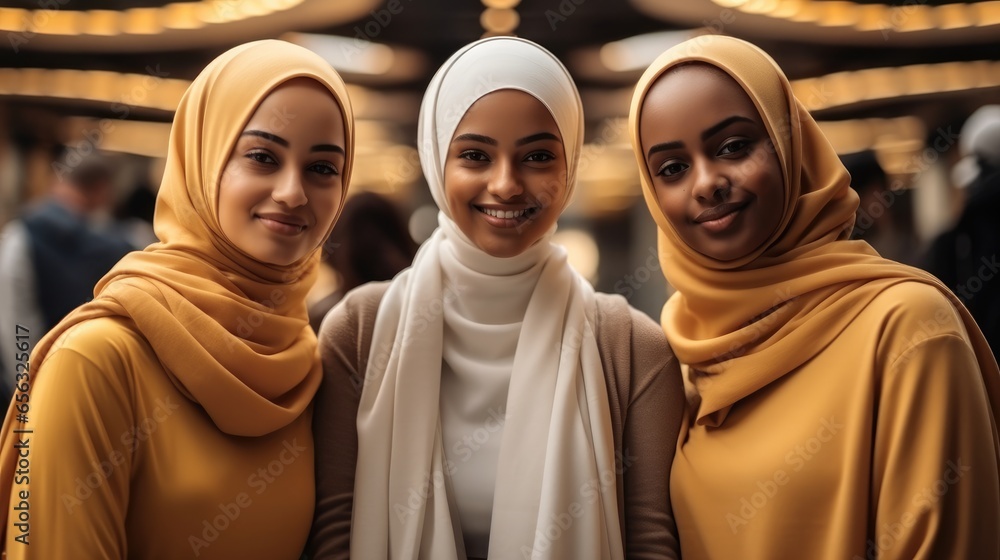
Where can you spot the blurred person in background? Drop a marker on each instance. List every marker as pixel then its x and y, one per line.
pixel 370 243
pixel 966 257
pixel 54 254
pixel 885 216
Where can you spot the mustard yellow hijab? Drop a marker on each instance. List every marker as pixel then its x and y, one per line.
pixel 750 321
pixel 231 332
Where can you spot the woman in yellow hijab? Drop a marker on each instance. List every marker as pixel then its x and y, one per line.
pixel 169 417
pixel 840 405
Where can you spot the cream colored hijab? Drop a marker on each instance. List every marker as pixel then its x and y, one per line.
pixel 557 448
pixel 231 332
pixel 808 276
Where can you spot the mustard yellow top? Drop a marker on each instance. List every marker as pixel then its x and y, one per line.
pixel 840 405
pixel 149 412
pixel 130 467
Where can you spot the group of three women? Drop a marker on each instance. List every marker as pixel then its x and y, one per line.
pixel 487 403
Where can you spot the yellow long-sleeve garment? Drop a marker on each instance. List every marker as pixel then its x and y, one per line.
pixel 122 465
pixel 880 446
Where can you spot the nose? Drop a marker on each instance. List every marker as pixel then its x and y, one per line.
pixel 288 189
pixel 709 184
pixel 505 181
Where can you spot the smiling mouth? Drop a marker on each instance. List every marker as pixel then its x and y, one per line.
pixel 284 225
pixel 507 218
pixel 719 218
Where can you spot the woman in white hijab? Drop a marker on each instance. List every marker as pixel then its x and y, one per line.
pixel 487 402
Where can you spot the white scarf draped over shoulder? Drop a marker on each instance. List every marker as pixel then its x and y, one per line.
pixel 555 493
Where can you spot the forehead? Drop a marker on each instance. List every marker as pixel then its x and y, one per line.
pixel 508 109
pixel 296 100
pixel 700 88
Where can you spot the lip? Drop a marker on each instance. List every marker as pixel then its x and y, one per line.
pixel 720 217
pixel 285 224
pixel 529 213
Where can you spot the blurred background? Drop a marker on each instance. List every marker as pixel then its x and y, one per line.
pixel 891 83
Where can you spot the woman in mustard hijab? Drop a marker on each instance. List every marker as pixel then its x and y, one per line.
pixel 840 405
pixel 169 417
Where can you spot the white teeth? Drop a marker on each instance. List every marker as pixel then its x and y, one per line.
pixel 506 214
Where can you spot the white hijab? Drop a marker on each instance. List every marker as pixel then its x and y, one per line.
pixel 555 494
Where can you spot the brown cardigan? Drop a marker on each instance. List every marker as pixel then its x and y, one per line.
pixel 644 387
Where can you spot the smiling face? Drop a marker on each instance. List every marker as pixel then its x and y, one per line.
pixel 282 186
pixel 505 173
pixel 714 170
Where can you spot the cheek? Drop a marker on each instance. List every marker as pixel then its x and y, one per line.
pixel 229 200
pixel 670 204
pixel 458 188
pixel 555 188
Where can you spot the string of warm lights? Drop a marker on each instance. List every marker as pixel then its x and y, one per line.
pixel 138 21
pixel 913 16
pixel 609 164
pixel 845 88
pixel 499 17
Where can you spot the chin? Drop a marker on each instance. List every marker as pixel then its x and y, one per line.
pixel 502 250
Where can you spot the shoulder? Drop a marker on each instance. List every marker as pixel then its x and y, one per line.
pixel 908 315
pixel 347 328
pixel 619 321
pixel 104 339
pixel 909 305
pixel 633 348
pixel 356 308
pixel 106 351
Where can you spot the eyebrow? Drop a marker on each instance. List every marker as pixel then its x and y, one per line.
pixel 707 133
pixel 284 143
pixel 723 124
pixel 492 142
pixel 476 138
pixel 536 138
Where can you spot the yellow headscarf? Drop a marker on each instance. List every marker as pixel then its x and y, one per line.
pixel 742 324
pixel 231 332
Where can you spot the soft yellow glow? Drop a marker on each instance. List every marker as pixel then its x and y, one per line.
pixel 913 18
pixel 103 22
pixel 637 52
pixel 347 54
pixel 987 13
pixel 856 135
pixel 14 19
pixel 839 14
pixel 954 16
pixel 872 17
pixel 133 90
pixel 255 8
pixel 581 251
pixel 139 21
pixel 55 22
pixel 132 137
pixel 910 17
pixel 499 21
pixel 844 88
pixel 181 15
pixel 787 9
pixel 760 6
pixel 808 12
pixel 501 4
pixel 884 84
pixel 142 21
